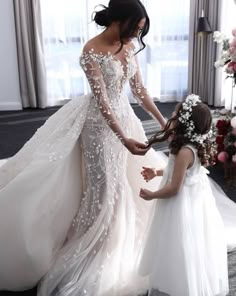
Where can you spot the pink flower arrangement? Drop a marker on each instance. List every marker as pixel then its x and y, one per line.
pixel 228 53
pixel 234 32
pixel 226 140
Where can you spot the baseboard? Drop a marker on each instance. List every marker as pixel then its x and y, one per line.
pixel 10 106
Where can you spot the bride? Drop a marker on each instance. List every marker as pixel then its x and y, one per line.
pixel 70 212
pixel 69 205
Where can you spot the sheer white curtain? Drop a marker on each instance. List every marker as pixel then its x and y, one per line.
pixel 164 63
pixel 66 27
pixel 227 22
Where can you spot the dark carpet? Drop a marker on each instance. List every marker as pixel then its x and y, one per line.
pixel 17 127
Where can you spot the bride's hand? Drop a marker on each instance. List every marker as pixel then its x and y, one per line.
pixel 135 147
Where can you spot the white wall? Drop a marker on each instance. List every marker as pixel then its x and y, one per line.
pixel 9 79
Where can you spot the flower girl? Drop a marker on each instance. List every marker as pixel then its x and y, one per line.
pixel 185 252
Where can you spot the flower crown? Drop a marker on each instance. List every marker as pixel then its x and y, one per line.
pixel 185 118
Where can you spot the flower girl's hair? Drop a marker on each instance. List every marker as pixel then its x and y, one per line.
pixel 190 124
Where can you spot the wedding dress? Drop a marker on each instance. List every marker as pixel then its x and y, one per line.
pixel 70 212
pixel 74 184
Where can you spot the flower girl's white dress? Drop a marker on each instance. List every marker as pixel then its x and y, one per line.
pixel 186 252
pixel 70 212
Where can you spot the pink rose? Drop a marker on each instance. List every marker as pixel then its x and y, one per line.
pixel 234 32
pixel 229 70
pixel 233 43
pixel 232 50
pixel 231 67
pixel 223 156
pixel 231 64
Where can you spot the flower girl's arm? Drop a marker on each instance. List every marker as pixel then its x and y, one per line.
pixel 183 160
pixel 159 173
pixel 150 173
pixel 143 97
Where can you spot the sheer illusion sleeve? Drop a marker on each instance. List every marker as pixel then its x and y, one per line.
pixel 137 87
pixel 89 62
pixel 142 96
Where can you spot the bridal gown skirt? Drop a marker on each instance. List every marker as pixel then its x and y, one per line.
pixel 70 213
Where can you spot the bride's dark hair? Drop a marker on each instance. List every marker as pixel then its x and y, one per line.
pixel 129 13
pixel 175 129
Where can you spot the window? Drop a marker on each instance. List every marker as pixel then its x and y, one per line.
pixel 164 63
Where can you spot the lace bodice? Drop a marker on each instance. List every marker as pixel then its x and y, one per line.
pixel 107 77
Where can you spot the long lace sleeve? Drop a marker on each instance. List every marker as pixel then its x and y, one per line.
pixel 89 62
pixel 142 96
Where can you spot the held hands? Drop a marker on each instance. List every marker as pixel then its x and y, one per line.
pixel 148 173
pixel 135 147
pixel 146 194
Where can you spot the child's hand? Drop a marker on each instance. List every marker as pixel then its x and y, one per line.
pixel 148 173
pixel 146 194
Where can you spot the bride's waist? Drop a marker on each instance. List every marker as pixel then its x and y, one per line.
pixel 121 112
pixel 120 104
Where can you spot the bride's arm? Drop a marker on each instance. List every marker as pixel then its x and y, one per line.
pixel 90 64
pixel 143 97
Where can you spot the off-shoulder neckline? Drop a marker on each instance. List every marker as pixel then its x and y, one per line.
pixel 110 56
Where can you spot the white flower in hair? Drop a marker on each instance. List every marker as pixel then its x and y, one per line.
pixel 185 118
